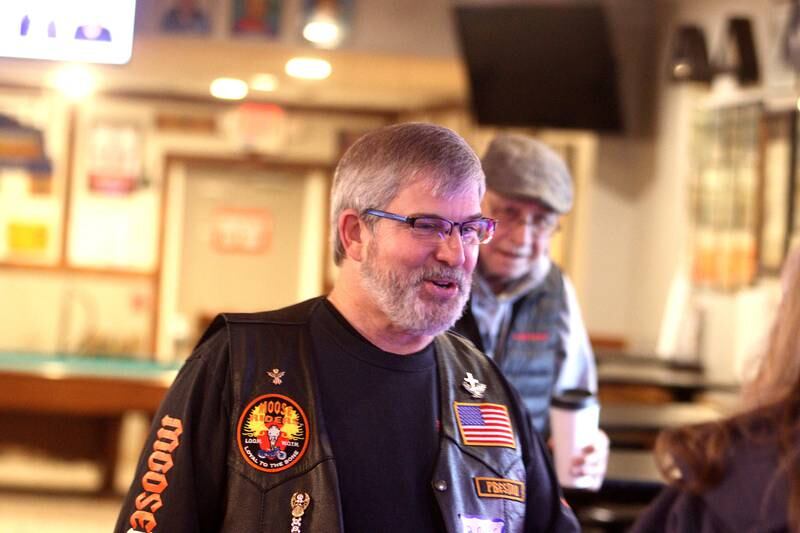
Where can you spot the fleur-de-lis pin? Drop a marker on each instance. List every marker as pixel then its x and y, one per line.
pixel 473 386
pixel 276 376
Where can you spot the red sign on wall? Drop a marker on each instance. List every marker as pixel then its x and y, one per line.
pixel 236 230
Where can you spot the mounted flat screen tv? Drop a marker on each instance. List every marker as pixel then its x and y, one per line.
pixel 540 65
pixel 93 31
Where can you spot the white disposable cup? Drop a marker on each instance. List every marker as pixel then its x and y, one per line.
pixel 574 418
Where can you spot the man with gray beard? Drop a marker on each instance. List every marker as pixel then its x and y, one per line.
pixel 385 422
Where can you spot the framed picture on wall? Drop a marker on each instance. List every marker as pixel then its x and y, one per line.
pixel 186 17
pixel 725 196
pixel 256 17
pixel 32 175
pixel 114 205
pixel 115 158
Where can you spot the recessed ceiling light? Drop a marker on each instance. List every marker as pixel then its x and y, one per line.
pixel 76 82
pixel 228 88
pixel 264 82
pixel 308 68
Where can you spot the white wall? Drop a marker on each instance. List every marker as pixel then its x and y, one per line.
pixel 58 312
pixel 660 232
pixel 610 244
pixel 660 210
pixel 608 251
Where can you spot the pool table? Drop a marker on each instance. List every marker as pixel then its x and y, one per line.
pixel 71 406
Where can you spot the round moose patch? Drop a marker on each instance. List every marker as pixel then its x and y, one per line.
pixel 273 433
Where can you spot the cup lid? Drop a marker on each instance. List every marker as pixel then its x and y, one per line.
pixel 573 399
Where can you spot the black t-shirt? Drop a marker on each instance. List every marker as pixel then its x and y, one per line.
pixel 381 413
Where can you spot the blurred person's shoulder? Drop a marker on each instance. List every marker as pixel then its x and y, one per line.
pixel 751 495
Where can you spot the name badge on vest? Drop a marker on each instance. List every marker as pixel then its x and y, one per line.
pixel 507 489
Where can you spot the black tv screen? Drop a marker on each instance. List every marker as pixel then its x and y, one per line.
pixel 546 65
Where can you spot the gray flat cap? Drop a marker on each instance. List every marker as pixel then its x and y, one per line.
pixel 522 167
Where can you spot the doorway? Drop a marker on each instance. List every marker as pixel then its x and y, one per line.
pixel 239 237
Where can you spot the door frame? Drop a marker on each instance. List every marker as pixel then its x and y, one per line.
pixel 174 162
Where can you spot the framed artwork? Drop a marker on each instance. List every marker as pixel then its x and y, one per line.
pixel 115 165
pixel 725 196
pixel 114 210
pixel 256 17
pixel 32 134
pixel 186 17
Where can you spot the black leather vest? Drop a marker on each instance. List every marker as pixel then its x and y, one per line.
pixel 467 480
pixel 534 347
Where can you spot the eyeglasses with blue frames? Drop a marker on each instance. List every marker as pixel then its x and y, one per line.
pixel 433 228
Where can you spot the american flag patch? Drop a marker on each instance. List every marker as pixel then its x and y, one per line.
pixel 484 424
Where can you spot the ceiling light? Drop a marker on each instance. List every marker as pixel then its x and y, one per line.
pixel 264 82
pixel 308 68
pixel 322 31
pixel 228 88
pixel 76 82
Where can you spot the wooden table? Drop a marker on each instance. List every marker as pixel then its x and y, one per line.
pixel 653 381
pixel 71 407
pixel 637 426
pixel 656 417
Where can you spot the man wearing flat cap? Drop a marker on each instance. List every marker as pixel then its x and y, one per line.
pixel 523 312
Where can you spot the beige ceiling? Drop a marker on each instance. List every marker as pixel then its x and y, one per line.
pixel 359 79
pixel 399 55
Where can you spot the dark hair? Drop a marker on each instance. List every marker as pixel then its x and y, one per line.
pixel 695 457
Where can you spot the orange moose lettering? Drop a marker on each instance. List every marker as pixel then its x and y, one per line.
pixel 154 481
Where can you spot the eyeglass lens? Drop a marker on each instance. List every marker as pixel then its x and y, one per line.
pixel 472 231
pixel 542 222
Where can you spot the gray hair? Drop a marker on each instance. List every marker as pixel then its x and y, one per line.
pixel 381 163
